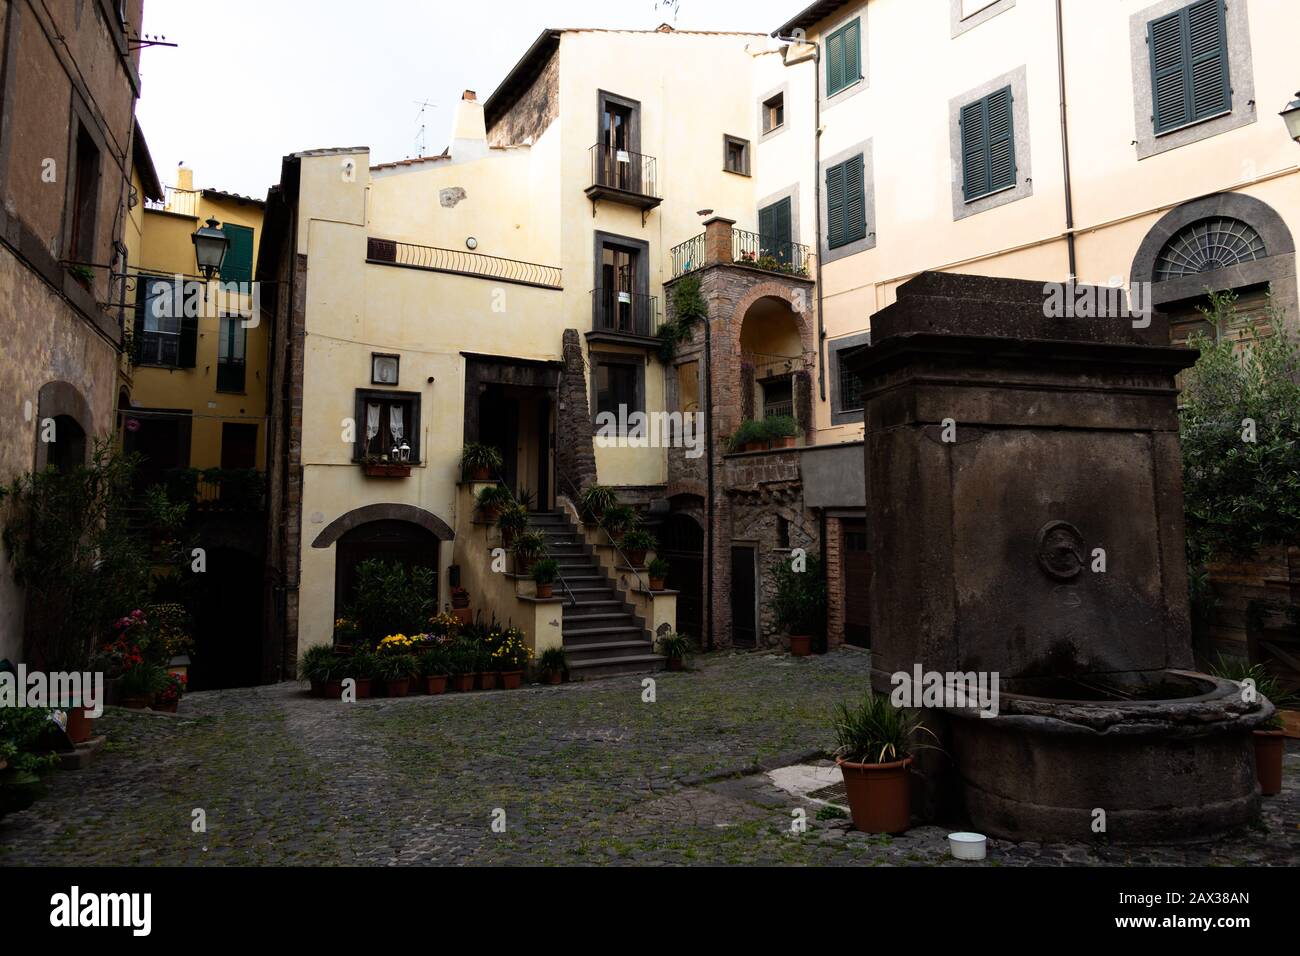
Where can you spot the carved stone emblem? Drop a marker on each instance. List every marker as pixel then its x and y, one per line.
pixel 1060 550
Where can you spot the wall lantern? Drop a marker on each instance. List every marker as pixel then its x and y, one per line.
pixel 404 452
pixel 1292 117
pixel 210 243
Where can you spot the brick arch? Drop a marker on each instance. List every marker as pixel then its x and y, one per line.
pixel 773 290
pixel 383 512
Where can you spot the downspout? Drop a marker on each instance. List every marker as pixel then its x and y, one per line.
pixel 1065 144
pixel 708 442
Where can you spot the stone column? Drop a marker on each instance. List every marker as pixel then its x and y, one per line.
pixel 575 456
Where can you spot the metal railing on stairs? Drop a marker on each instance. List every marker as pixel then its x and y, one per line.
pixel 600 523
pixel 558 573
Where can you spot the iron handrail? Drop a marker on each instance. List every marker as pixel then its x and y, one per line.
pixel 600 523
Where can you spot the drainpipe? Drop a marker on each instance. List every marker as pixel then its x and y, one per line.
pixel 1065 144
pixel 708 443
pixel 816 57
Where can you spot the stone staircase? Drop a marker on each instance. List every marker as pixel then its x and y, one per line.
pixel 602 635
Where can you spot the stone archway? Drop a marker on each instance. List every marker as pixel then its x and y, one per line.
pixel 384 512
pixel 62 402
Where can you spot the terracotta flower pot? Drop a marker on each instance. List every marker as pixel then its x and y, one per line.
pixel 79 724
pixel 545 590
pixel 676 664
pixel 635 556
pixel 436 684
pixel 510 680
pixel 554 677
pixel 656 584
pixel 135 703
pixel 415 686
pixel 166 708
pixel 398 688
pixel 784 442
pixel 464 615
pixel 491 513
pixel 479 474
pixel 800 645
pixel 487 680
pixel 363 688
pixel 1269 745
pixel 332 689
pixel 462 682
pixel 318 688
pixel 880 795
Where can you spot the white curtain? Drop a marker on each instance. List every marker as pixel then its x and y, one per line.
pixel 372 422
pixel 395 423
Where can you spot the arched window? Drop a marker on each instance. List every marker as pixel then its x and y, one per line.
pixel 1207 245
pixel 68 450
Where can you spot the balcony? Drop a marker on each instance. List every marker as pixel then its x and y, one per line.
pixel 620 175
pixel 406 255
pixel 624 318
pixel 748 249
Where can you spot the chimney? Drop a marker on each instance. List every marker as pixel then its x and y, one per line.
pixel 469 134
pixel 184 178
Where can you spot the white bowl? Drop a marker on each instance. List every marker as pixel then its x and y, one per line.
pixel 968 846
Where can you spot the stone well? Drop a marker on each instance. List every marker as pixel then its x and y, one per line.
pixel 1025 512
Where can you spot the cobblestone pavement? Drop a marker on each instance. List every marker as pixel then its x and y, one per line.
pixel 585 773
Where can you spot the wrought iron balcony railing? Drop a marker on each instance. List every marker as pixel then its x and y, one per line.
pixel 763 252
pixel 688 256
pixel 624 176
pixel 458 262
pixel 630 313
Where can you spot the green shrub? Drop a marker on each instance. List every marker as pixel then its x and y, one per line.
pixel 658 568
pixel 749 431
pixel 779 426
pixel 545 571
pixel 390 599
pixel 553 660
pixel 320 663
pixel 875 731
pixel 798 605
pixel 674 646
pixel 476 456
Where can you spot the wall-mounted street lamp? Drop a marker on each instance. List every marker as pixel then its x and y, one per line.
pixel 210 244
pixel 1292 117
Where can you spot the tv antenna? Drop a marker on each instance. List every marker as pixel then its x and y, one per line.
pixel 420 136
pixel 665 5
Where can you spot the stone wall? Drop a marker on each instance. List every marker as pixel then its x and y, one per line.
pixel 533 112
pixel 575 455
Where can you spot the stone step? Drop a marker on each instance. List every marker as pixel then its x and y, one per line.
pixel 602 616
pixel 616 666
pixel 597 635
pixel 586 653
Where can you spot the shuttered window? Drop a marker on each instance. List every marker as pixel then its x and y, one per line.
pixel 774 231
pixel 1189 65
pixel 988 149
pixel 846 210
pixel 843 57
pixel 237 266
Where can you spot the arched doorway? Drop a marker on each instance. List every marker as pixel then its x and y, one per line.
pixel 391 540
pixel 226 601
pixel 68 449
pixel 681 544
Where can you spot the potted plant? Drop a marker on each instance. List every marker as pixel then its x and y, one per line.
pixel 321 666
pixel 618 519
pixel 361 668
pixel 635 544
pixel 139 683
pixel 544 573
pixel 594 501
pixel 799 604
pixel 553 665
pixel 490 500
pixel 510 657
pixel 657 572
pixel 434 668
pixel 512 521
pixel 675 647
pixel 530 546
pixel 480 461
pixel 1269 737
pixel 485 675
pixel 460 608
pixel 380 466
pixel 780 431
pixel 874 744
pixel 396 670
pixel 749 436
pixel 169 697
pixel 460 665
pixel 525 499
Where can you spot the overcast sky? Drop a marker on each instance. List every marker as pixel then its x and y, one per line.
pixel 253 80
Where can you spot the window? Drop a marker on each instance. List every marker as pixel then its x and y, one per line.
pixel 85 199
pixel 621 301
pixel 778 397
pixel 846 215
pixel 1189 65
pixel 617 384
pixel 782 532
pixel 232 343
pixel 1207 245
pixel 386 420
pixel 988 145
pixel 384 368
pixel 164 334
pixel 688 387
pixel 774 113
pixel 843 57
pixel 736 155
pixel 850 390
pixel 237 266
pixel 774 232
pixel 847 402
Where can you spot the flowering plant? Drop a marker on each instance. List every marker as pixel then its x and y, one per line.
pixel 345 630
pixel 444 624
pixel 511 653
pixel 396 644
pixel 173 689
pixel 171 629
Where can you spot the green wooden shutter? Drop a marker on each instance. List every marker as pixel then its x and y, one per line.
pixel 189 343
pixel 855 209
pixel 843 57
pixel 834 63
pixel 1001 146
pixel 1189 65
pixel 238 264
pixel 974 152
pixel 852 53
pixel 774 230
pixel 835 206
pixel 1207 39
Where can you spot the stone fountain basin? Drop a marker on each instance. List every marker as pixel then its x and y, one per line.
pixel 1137 768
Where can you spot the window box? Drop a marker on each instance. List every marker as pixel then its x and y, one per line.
pixel 385 469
